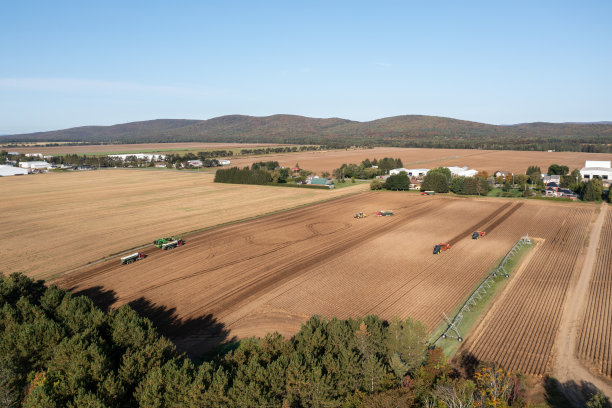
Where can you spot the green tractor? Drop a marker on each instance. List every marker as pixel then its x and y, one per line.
pixel 161 241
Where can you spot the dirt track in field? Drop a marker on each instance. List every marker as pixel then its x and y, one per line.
pixel 593 341
pixel 520 329
pixel 58 222
pixel 273 273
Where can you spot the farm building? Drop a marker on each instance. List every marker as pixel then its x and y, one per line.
pixel 500 173
pixel 410 172
pixel 551 179
pixel 597 169
pixel 38 165
pixel 462 171
pixel 224 162
pixel 141 156
pixel 11 171
pixel 195 163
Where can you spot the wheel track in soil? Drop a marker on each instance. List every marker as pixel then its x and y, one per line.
pixel 213 237
pixel 284 272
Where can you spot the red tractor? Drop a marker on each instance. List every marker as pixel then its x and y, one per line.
pixel 478 234
pixel 440 247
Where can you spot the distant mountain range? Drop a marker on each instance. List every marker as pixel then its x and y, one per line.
pixel 407 130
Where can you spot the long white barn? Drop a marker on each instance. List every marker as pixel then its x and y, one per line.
pixel 597 169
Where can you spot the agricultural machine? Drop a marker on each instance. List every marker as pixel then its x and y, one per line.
pixel 163 241
pixel 360 215
pixel 384 213
pixel 440 247
pixel 478 234
pixel 173 244
pixel 136 256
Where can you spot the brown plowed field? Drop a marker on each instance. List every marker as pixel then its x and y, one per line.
pixel 487 160
pixel 52 223
pixel 595 339
pixel 521 327
pixel 273 273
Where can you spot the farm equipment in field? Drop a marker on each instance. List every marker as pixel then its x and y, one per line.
pixel 163 241
pixel 428 192
pixel 173 244
pixel 384 213
pixel 361 214
pixel 136 256
pixel 478 234
pixel 440 247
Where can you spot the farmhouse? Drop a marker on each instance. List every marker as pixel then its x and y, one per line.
pixel 500 173
pixel 597 169
pixel 35 165
pixel 11 171
pixel 551 179
pixel 194 163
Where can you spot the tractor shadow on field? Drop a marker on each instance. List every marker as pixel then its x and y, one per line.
pixel 195 336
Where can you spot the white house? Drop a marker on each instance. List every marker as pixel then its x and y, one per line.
pixel 224 162
pixel 194 163
pixel 555 178
pixel 35 165
pixel 6 171
pixel 597 169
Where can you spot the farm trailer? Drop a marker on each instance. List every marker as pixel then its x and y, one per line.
pixel 136 256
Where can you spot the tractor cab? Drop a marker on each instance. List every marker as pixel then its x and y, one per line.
pixel 436 249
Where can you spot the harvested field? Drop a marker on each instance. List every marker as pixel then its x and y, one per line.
pixel 273 273
pixel 55 222
pixel 521 327
pixel 487 160
pixel 145 147
pixel 595 339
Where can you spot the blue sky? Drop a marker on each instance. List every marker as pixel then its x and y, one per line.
pixel 66 64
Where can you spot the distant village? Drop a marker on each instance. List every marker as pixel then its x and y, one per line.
pixel 16 164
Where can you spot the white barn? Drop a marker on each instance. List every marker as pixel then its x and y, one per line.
pixel 35 165
pixel 6 171
pixel 410 172
pixel 462 171
pixel 597 169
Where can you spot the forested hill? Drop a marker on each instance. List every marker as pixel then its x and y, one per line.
pixel 403 131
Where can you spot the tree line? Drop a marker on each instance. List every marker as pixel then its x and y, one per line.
pixel 60 350
pixel 367 169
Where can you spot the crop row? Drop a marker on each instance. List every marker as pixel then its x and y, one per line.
pixel 521 328
pixel 596 335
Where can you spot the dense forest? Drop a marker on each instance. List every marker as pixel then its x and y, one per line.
pixel 60 350
pixel 398 131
